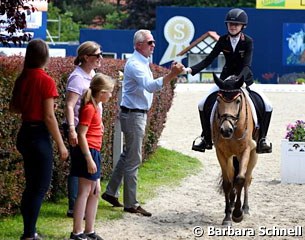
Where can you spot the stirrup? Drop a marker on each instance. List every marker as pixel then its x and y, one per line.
pixel 198 147
pixel 262 146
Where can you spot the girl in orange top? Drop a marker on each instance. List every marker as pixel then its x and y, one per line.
pixel 86 163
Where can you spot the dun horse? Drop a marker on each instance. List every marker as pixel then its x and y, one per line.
pixel 234 140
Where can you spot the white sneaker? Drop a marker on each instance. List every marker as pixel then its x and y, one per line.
pixel 80 236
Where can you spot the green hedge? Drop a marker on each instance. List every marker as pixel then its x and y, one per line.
pixel 11 165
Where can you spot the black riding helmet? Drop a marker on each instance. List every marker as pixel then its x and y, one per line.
pixel 237 15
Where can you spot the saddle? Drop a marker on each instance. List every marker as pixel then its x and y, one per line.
pixel 258 103
pixel 255 101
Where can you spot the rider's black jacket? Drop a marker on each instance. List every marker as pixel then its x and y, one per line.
pixel 238 62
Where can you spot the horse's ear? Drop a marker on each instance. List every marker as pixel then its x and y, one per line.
pixel 218 81
pixel 239 82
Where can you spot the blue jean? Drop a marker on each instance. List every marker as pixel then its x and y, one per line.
pixel 72 191
pixel 72 184
pixel 34 143
pixel 133 126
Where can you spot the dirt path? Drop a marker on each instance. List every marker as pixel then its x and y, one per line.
pixel 196 202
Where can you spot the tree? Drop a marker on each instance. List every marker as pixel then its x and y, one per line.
pixel 69 30
pixel 15 21
pixel 142 13
pixel 63 4
pixel 114 19
pixel 86 12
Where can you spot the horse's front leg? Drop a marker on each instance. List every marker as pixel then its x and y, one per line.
pixel 246 204
pixel 227 188
pixel 232 198
pixel 239 184
pixel 238 211
pixel 243 163
pixel 227 170
pixel 251 165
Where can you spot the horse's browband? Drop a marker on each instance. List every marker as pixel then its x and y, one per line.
pixel 227 90
pixel 232 97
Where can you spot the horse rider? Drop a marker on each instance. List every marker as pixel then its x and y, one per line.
pixel 237 49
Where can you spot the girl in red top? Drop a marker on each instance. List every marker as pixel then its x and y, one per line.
pixel 86 163
pixel 33 97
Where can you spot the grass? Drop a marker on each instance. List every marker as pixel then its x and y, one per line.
pixel 164 168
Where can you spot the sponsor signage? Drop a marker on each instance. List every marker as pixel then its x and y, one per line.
pixel 280 4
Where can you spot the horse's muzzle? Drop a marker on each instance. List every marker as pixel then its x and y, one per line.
pixel 227 130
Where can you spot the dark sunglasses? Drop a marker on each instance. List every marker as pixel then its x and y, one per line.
pixel 98 55
pixel 150 42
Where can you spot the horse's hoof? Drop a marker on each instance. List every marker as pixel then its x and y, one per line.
pixel 227 223
pixel 237 218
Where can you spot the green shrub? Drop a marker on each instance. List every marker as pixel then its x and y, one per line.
pixel 11 165
pixel 300 81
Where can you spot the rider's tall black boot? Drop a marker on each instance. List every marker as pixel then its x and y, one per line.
pixel 262 146
pixel 206 139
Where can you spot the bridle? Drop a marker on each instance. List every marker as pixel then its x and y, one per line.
pixel 233 120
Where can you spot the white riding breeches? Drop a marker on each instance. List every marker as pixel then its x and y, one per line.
pixel 267 103
pixel 215 88
pixel 268 106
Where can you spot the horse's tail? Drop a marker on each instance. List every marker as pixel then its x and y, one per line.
pixel 236 170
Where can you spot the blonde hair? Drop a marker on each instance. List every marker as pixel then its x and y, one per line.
pixel 86 48
pixel 100 82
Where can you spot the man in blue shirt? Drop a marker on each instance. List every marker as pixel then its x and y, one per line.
pixel 137 96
